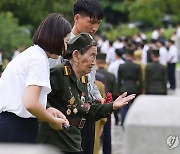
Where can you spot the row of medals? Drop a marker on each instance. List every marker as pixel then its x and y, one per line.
pixel 71 103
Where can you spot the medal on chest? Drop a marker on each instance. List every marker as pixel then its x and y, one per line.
pixel 84 103
pixel 71 107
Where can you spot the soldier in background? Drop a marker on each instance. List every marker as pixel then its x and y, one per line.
pixel 155 76
pixel 129 79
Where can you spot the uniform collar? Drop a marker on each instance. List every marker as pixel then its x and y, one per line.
pixel 72 75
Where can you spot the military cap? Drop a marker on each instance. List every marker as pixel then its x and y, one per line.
pixel 80 42
pixel 101 56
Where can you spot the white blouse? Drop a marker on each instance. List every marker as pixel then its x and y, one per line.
pixel 30 67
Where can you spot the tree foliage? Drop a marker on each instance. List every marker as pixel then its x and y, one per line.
pixel 31 12
pixel 12 35
pixel 151 12
pixel 20 16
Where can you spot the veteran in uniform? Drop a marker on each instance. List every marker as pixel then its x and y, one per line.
pixel 72 99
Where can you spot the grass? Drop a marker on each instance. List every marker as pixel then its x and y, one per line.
pixel 178 65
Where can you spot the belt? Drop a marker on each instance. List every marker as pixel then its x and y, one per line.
pixel 77 122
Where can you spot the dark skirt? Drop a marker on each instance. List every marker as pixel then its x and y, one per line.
pixel 14 129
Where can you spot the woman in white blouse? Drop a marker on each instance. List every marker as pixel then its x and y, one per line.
pixel 25 83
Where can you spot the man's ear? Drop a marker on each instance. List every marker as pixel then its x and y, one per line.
pixel 75 55
pixel 76 17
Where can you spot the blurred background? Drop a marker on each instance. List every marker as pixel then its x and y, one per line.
pixel 19 19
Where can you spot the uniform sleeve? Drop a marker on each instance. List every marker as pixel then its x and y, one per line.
pixel 38 73
pixel 98 111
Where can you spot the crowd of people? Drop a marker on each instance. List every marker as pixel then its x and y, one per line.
pixel 139 66
pixel 72 82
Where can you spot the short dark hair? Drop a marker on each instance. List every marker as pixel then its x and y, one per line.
pixel 154 52
pixel 51 33
pixel 91 8
pixel 171 41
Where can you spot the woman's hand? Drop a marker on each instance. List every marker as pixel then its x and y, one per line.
pixel 59 120
pixel 122 100
pixel 56 113
pixel 57 123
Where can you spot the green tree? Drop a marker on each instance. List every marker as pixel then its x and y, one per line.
pixel 114 11
pixel 12 35
pixel 153 11
pixel 32 12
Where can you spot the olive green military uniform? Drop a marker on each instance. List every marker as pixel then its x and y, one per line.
pixel 130 81
pixel 70 98
pixel 130 78
pixel 156 79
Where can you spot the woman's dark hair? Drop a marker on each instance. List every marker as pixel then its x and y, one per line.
pixel 51 33
pixel 91 8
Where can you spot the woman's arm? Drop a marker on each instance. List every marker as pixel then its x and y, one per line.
pixel 32 104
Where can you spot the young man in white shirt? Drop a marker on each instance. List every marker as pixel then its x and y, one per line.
pixel 172 60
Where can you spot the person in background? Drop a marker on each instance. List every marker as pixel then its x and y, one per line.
pixel 113 68
pixel 155 76
pixel 129 79
pixel 138 57
pixel 163 53
pixel 111 87
pixel 25 83
pixel 99 125
pixel 172 60
pixel 110 56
